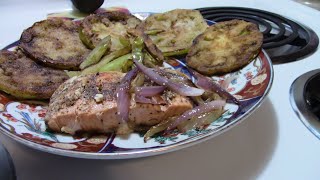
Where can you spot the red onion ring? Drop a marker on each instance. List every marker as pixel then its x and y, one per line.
pixel 123 95
pixel 209 85
pixel 149 91
pixel 179 88
pixel 197 111
pixel 145 100
pixel 142 99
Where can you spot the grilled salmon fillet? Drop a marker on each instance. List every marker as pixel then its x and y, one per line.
pixel 88 104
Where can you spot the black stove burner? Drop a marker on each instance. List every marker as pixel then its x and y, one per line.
pixel 312 94
pixel 305 100
pixel 284 40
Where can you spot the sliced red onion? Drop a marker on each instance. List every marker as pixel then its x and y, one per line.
pixel 197 111
pixel 142 99
pixel 225 84
pixel 146 100
pixel 179 88
pixel 123 95
pixel 149 91
pixel 209 85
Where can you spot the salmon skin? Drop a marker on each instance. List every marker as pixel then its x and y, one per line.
pixel 88 103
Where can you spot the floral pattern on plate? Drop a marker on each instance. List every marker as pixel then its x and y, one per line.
pixel 25 123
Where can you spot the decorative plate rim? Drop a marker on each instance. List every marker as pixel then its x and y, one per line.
pixel 160 149
pixel 156 151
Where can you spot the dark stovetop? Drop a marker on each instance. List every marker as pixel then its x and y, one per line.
pixel 305 100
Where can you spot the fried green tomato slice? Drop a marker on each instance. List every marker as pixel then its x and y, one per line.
pixel 54 42
pixel 225 47
pixel 23 78
pixel 114 24
pixel 174 31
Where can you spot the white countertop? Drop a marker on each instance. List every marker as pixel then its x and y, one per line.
pixel 271 144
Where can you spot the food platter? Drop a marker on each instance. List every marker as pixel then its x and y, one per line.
pixel 25 123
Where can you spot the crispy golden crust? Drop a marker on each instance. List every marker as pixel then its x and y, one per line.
pixel 176 29
pixel 23 78
pixel 54 42
pixel 225 47
pixel 97 26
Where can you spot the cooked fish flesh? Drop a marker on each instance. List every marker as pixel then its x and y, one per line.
pixel 54 42
pixel 174 30
pixel 88 104
pixel 225 47
pixel 114 24
pixel 23 78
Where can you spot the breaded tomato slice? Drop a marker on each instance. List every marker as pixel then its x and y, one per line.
pixel 114 24
pixel 54 42
pixel 225 47
pixel 174 30
pixel 23 78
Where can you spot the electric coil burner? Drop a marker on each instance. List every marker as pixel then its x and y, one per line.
pixel 305 100
pixel 284 40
